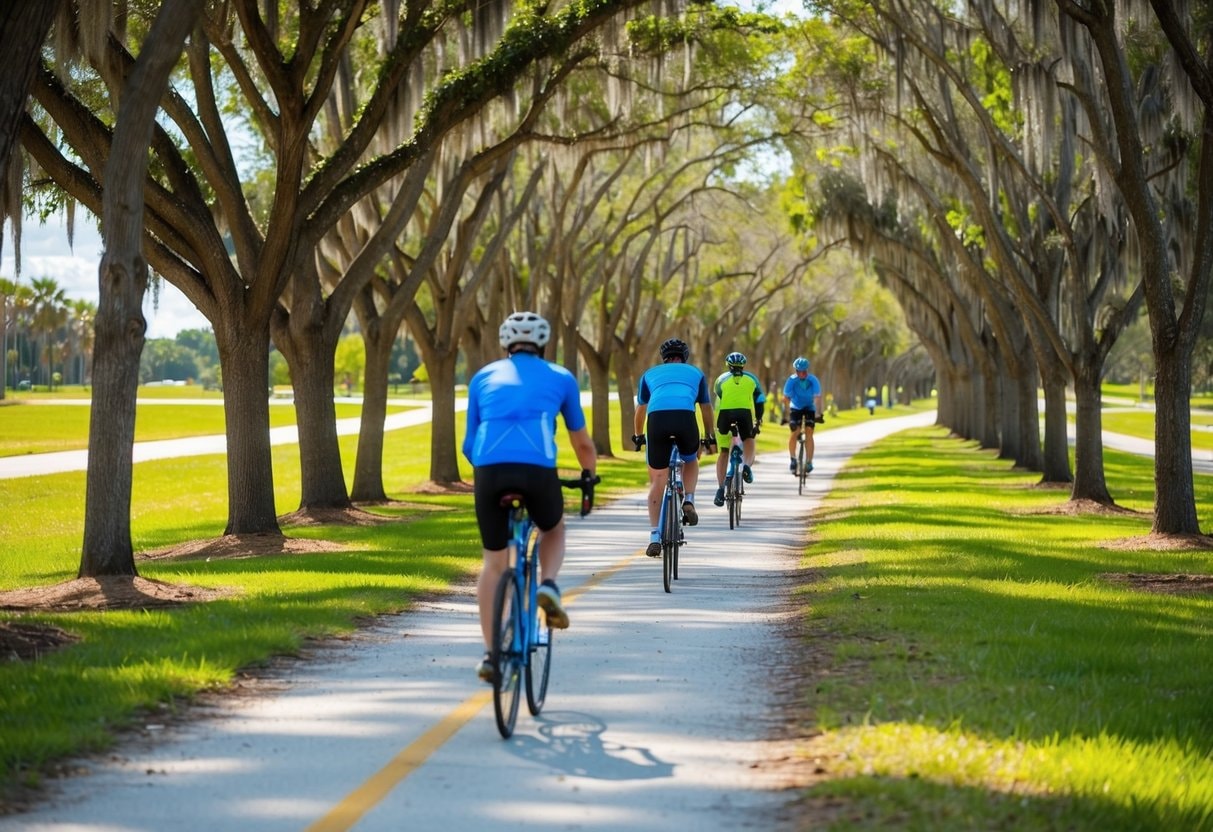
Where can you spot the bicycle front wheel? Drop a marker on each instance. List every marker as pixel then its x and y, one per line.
pixel 669 538
pixel 539 665
pixel 507 652
pixel 802 467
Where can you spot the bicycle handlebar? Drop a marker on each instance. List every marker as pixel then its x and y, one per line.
pixel 585 483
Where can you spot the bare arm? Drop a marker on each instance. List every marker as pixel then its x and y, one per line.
pixel 638 422
pixel 583 447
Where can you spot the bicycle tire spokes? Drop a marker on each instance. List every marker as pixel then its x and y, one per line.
pixel 508 657
pixel 537 635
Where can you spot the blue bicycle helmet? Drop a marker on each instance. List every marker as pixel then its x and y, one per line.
pixel 675 348
pixel 735 361
pixel 801 365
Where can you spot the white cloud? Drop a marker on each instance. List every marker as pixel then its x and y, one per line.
pixel 45 252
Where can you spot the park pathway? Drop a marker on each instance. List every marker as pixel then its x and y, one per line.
pixel 659 717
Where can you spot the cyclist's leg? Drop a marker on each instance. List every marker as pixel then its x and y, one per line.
pixel 686 429
pixel 809 444
pixel 545 501
pixel 794 424
pixel 494 523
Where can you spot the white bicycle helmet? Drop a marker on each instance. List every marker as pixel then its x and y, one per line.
pixel 524 328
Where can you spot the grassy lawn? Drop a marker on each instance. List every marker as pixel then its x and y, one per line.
pixel 35 428
pixel 973 667
pixel 968 666
pixel 1141 423
pixel 133 661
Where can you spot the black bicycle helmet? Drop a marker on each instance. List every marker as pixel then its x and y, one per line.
pixel 735 361
pixel 675 348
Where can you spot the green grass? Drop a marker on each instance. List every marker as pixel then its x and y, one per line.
pixel 977 670
pixel 75 699
pixel 34 428
pixel 1141 424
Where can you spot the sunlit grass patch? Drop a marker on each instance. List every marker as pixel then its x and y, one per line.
pixel 982 671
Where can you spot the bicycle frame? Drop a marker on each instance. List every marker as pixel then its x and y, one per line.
pixel 734 484
pixel 670 519
pixel 517 627
pixel 802 467
pixel 522 644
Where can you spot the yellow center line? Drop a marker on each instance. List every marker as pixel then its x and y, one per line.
pixel 361 800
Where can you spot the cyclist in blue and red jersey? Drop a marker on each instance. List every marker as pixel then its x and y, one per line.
pixel 511 441
pixel 802 396
pixel 666 400
pixel 739 398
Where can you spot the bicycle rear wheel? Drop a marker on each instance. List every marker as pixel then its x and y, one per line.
pixel 539 665
pixel 669 537
pixel 740 497
pixel 730 498
pixel 507 629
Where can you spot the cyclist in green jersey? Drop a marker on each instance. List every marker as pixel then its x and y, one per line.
pixel 739 398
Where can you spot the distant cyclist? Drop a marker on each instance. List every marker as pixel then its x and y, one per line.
pixel 739 398
pixel 666 400
pixel 511 426
pixel 802 397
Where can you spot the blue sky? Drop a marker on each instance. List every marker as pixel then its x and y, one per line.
pixel 45 253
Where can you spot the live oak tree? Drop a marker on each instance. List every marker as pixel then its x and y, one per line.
pixel 234 261
pixel 120 326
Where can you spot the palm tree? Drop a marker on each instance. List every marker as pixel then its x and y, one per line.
pixel 50 313
pixel 80 333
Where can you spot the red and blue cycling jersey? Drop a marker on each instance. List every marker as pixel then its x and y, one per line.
pixel 512 407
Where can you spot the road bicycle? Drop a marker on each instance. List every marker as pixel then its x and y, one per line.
pixel 670 519
pixel 521 638
pixel 734 482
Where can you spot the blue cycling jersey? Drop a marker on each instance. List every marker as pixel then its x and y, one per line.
pixel 512 407
pixel 801 391
pixel 673 386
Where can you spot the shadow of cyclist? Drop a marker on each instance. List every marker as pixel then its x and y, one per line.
pixel 572 742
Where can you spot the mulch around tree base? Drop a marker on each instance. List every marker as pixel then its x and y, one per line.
pixel 1167 584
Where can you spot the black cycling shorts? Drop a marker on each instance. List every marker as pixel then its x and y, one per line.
pixel 794 418
pixel 540 490
pixel 680 424
pixel 745 424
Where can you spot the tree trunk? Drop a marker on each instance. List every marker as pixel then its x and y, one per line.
pixel 627 408
pixel 1027 421
pixel 600 397
pixel 244 359
pixel 107 547
pixel 120 327
pixel 444 459
pixel 322 478
pixel 1174 493
pixel 1089 480
pixel 1055 467
pixel 368 466
pixel 309 348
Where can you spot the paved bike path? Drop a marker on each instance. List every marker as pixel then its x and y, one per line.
pixel 657 714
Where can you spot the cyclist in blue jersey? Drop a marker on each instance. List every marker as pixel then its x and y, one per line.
pixel 666 400
pixel 739 398
pixel 511 430
pixel 802 396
